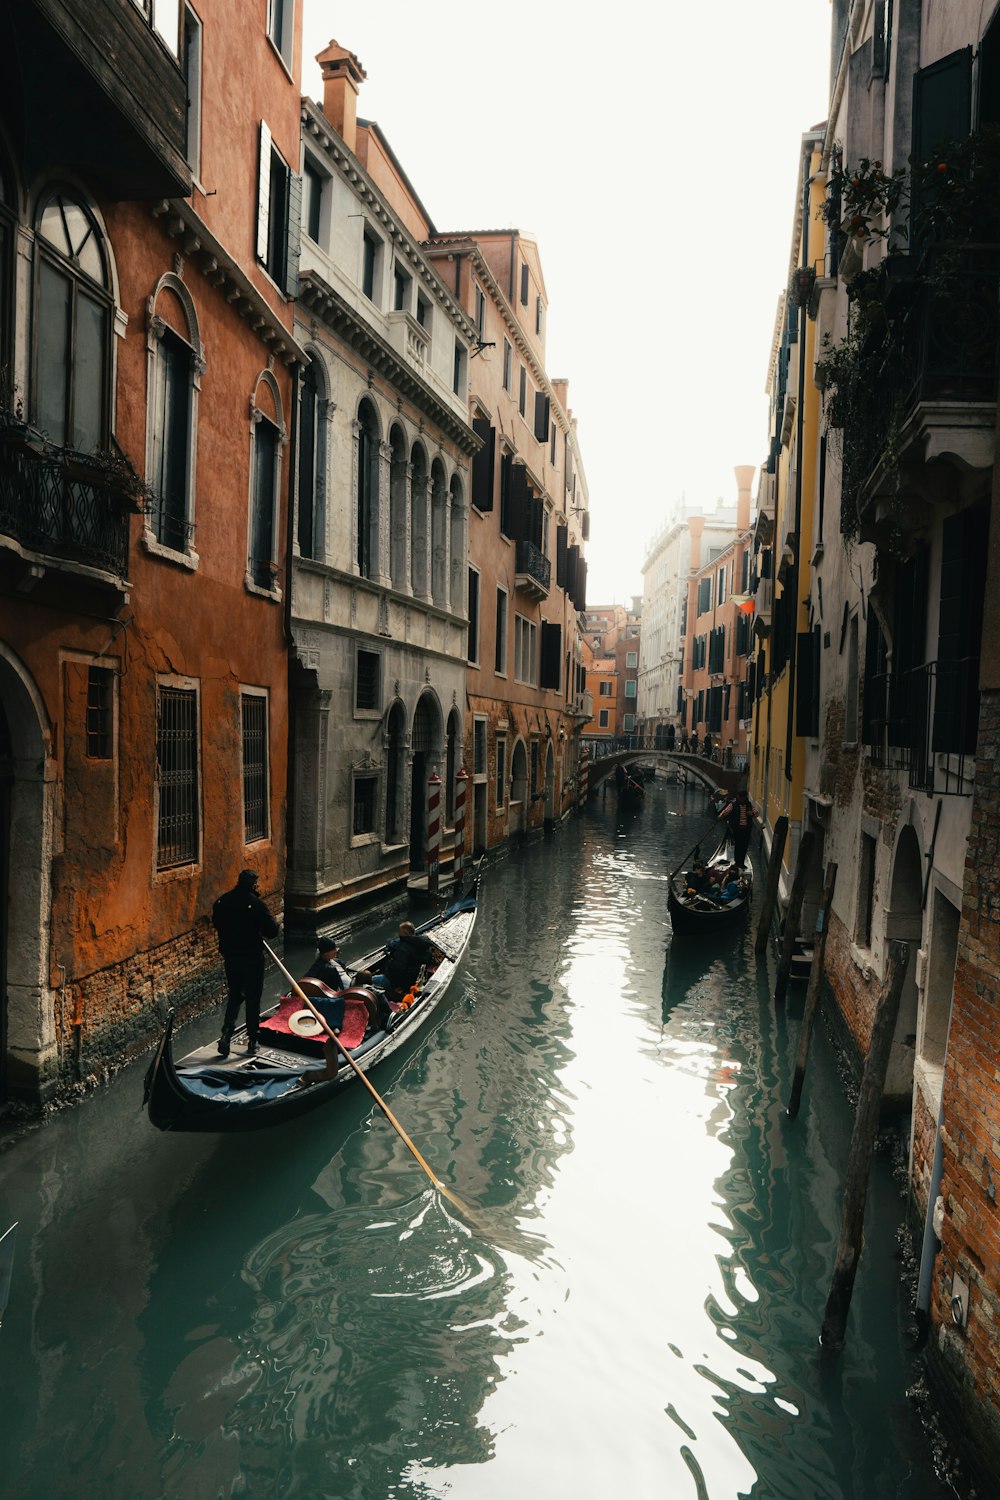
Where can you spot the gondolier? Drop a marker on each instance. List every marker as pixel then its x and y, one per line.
pixel 741 815
pixel 242 921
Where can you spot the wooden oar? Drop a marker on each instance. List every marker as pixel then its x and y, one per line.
pixel 697 846
pixel 301 995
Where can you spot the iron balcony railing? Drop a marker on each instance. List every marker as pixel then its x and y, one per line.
pixel 532 563
pixel 926 723
pixel 60 504
pixel 945 347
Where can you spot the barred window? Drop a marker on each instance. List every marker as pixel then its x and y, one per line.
pixel 255 766
pixel 365 789
pixel 100 706
pixel 177 777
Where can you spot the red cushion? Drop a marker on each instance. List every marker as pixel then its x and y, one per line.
pixel 351 1033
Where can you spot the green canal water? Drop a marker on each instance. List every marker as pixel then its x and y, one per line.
pixel 635 1311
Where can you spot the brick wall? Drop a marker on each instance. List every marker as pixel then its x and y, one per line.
pixel 853 994
pixel 966 1362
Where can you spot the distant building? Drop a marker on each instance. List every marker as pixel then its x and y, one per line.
pixel 615 631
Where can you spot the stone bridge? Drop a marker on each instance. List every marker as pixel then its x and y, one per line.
pixel 713 775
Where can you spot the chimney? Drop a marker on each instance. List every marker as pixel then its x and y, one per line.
pixel 744 481
pixel 342 77
pixel 696 525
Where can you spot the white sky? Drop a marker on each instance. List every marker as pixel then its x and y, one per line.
pixel 652 150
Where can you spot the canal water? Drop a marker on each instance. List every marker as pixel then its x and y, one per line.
pixel 634 1311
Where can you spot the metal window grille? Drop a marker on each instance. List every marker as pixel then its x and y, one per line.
pixel 177 775
pixel 365 788
pixel 479 747
pixel 255 763
pixel 366 691
pixel 100 698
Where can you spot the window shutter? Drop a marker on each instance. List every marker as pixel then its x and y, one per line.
pixel 524 283
pixel 542 410
pixel 572 563
pixel 580 597
pixel 294 245
pixel 561 536
pixel 942 102
pixel 263 190
pixel 483 464
pixel 874 701
pixel 506 493
pixel 518 502
pixel 551 655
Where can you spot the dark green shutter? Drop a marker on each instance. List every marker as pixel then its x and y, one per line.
pixel 483 464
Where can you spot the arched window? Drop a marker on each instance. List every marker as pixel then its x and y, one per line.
pixel 419 498
pixel 367 517
pixel 175 366
pixel 439 535
pixel 72 326
pixel 312 455
pixel 267 435
pixel 398 518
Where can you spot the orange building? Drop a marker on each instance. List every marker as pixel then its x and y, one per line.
pixel 527 528
pixel 148 179
pixel 602 681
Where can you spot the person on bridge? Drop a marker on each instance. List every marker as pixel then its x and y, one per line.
pixel 243 922
pixel 742 815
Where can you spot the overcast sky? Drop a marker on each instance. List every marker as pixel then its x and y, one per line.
pixel 651 148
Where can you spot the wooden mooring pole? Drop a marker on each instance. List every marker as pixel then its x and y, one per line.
pixel 771 887
pixel 812 993
pixel 859 1158
pixel 793 914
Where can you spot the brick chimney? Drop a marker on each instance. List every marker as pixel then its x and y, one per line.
pixel 343 75
pixel 744 483
pixel 696 526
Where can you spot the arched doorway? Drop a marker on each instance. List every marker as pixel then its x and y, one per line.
pixel 518 789
pixel 425 743
pixel 395 783
pixel 27 1026
pixel 904 923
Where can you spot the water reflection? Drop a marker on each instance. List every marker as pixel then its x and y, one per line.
pixel 635 1308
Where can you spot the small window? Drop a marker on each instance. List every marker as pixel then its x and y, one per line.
pixel 423 312
pixel 525 657
pixel 458 372
pixel 501 779
pixel 604 718
pixel 522 395
pixel 508 358
pixel 473 653
pixel 266 450
pixel 480 300
pixel 401 283
pixel 100 713
pixel 367 689
pixel 524 283
pixel 279 215
pixel 365 802
pixel 631 659
pixel 628 723
pixel 604 689
pixel 500 655
pixel 479 747
pixel 369 263
pixel 630 687
pixel 170 440
pixel 538 314
pixel 312 190
pixel 280 27
pixel 255 766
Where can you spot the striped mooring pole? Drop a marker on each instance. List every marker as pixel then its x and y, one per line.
pixel 458 847
pixel 433 832
pixel 584 776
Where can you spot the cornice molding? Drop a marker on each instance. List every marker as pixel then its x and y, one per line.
pixel 339 318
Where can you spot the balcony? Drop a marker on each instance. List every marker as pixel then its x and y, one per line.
pixel 532 571
pixel 926 725
pixel 99 92
pixel 929 392
pixel 63 509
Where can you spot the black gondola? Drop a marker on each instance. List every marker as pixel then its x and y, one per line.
pixel 629 782
pixel 204 1092
pixel 701 915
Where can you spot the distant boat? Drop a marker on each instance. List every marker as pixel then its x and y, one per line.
pixel 629 781
pixel 204 1092
pixel 694 916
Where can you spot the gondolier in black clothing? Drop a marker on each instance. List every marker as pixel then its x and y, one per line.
pixel 741 814
pixel 243 921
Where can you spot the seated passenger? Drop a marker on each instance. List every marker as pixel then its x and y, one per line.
pixel 698 881
pixel 407 955
pixel 326 968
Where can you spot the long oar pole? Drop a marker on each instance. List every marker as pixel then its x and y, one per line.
pixel 301 995
pixel 695 847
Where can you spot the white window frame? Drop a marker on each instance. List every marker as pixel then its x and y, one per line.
pixel 525 651
pixel 282 44
pixel 156 327
pixel 257 415
pixel 500 645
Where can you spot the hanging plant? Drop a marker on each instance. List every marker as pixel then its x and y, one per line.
pixel 860 199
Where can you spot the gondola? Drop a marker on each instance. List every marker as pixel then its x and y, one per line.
pixel 629 782
pixel 702 916
pixel 204 1092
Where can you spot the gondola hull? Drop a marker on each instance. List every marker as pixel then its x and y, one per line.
pixel 206 1093
pixel 704 918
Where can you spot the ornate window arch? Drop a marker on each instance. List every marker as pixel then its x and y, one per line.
pixel 315 410
pixel 175 363
pixel 73 323
pixel 366 555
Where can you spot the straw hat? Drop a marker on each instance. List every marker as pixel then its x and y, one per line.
pixel 304 1023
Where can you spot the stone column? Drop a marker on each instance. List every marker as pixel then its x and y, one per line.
pixel 310 770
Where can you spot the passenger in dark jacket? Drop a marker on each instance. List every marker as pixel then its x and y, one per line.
pixel 243 921
pixel 408 954
pixel 327 967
